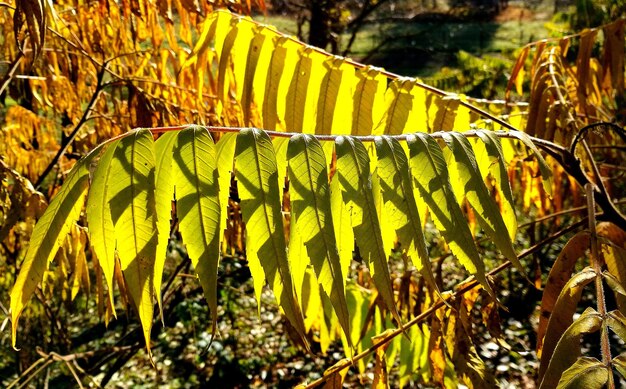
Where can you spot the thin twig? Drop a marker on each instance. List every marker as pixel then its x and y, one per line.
pixel 26 374
pixel 83 120
pixel 11 73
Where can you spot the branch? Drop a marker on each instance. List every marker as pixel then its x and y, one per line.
pixel 357 23
pixel 563 156
pixel 99 88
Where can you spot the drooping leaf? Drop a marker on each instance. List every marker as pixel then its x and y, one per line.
pixel 567 349
pixel 613 283
pixel 358 304
pixel 49 232
pixel 617 322
pixel 397 191
pixel 619 363
pixel 281 68
pixel 368 101
pixel 615 258
pixel 585 373
pixel 33 12
pixel 334 107
pixel 473 187
pixel 164 194
pixel 298 262
pixel 194 169
pixel 546 172
pixel 430 176
pixel 303 92
pixel 207 35
pixel 225 153
pixel 101 232
pixel 131 198
pixel 354 176
pixel 493 164
pixel 560 274
pixel 562 316
pixel 381 371
pixel 411 350
pixel 257 65
pixel 232 60
pixel 260 207
pixel 310 202
pixel 280 146
pixel 343 227
pixel 517 74
pixel 226 24
pixel 399 103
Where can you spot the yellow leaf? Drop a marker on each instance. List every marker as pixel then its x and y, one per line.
pixel 49 232
pixel 368 101
pixel 334 107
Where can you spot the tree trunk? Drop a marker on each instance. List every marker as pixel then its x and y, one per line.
pixel 319 25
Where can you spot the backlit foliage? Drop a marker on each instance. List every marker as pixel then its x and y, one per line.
pixel 334 193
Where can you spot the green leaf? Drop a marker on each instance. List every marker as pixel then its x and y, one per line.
pixel 280 146
pixel 397 191
pixel 477 194
pixel 567 349
pixel 298 261
pixel 411 349
pixel 164 194
pixel 260 207
pixel 358 305
pixel 343 228
pixel 430 176
pixel 48 234
pixel 131 198
pixel 310 202
pixel 101 232
pixel 353 170
pixel 197 206
pixel 493 164
pixel 562 316
pixel 586 373
pixel 225 153
pixel 546 172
